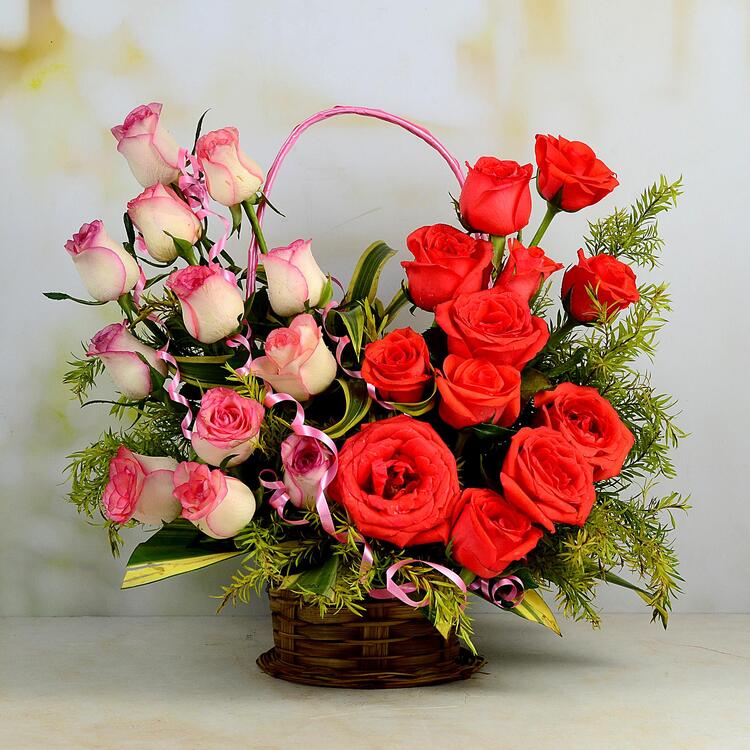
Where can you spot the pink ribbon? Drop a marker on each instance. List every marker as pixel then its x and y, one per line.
pixel 503 592
pixel 140 285
pixel 280 496
pixel 401 591
pixel 173 386
pixel 239 341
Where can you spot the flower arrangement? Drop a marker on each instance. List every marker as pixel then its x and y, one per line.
pixel 273 415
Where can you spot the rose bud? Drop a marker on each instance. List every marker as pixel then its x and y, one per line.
pixel 496 198
pixel 446 262
pixel 106 268
pixel 158 210
pixel 231 175
pixel 588 420
pixel 525 270
pixel 220 506
pixel 297 360
pixel 211 301
pixel 293 278
pixel 306 461
pixel 547 478
pixel 118 349
pixel 151 151
pixel 489 533
pixel 611 281
pixel 570 176
pixel 227 424
pixel 475 390
pixel 398 365
pixel 140 488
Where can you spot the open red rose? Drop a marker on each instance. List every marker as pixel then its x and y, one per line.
pixel 475 390
pixel 489 533
pixel 446 262
pixel 546 477
pixel 495 197
pixel 570 176
pixel 398 365
pixel 587 419
pixel 612 282
pixel 495 325
pixel 526 269
pixel 398 481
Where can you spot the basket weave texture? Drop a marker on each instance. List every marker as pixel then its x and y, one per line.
pixel 391 645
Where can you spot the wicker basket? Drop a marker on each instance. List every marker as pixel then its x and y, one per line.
pixel 390 646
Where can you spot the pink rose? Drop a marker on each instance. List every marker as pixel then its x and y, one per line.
pixel 211 301
pixel 116 346
pixel 306 461
pixel 151 151
pixel 293 278
pixel 158 210
pixel 140 487
pixel 297 360
pixel 231 175
pixel 220 506
pixel 526 269
pixel 106 269
pixel 227 425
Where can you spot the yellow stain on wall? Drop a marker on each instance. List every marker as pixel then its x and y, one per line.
pixel 40 77
pixel 545 28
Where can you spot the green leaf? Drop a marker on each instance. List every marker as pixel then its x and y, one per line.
pixel 61 295
pixel 357 402
pixel 421 407
pixel 647 596
pixel 176 548
pixel 492 431
pixel 364 283
pixel 535 609
pixel 198 129
pixel 353 319
pixel 236 212
pixel 533 381
pixel 319 581
pixel 400 299
pixel 204 372
pixel 326 294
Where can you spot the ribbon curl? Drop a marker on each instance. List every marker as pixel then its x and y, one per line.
pixel 401 591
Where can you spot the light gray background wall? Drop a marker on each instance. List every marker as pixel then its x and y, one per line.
pixel 654 86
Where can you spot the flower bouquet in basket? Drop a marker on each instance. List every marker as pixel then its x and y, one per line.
pixel 371 476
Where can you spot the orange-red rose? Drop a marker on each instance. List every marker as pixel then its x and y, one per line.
pixel 398 481
pixel 495 325
pixel 526 269
pixel 398 365
pixel 446 262
pixel 611 281
pixel 475 390
pixel 587 419
pixel 489 533
pixel 570 176
pixel 547 477
pixel 495 197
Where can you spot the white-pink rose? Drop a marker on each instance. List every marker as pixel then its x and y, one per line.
pixel 306 461
pixel 211 301
pixel 151 151
pixel 140 488
pixel 297 360
pixel 227 425
pixel 106 269
pixel 220 506
pixel 231 175
pixel 158 213
pixel 294 278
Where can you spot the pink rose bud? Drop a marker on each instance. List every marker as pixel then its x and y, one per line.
pixel 293 278
pixel 231 175
pixel 306 461
pixel 297 360
pixel 116 346
pixel 220 506
pixel 227 425
pixel 151 151
pixel 158 211
pixel 211 301
pixel 106 269
pixel 140 488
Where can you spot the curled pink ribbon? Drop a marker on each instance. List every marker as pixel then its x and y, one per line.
pixel 401 591
pixel 173 386
pixel 239 341
pixel 503 592
pixel 280 496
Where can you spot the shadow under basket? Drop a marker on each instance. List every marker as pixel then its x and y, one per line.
pixel 390 646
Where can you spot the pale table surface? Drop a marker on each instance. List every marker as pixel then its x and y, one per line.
pixel 191 684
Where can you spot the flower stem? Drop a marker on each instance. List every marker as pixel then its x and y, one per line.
pixel 257 231
pixel 125 301
pixel 498 243
pixel 546 221
pixel 560 333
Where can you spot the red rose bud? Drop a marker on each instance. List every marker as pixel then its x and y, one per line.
pixel 547 478
pixel 446 262
pixel 611 281
pixel 398 481
pixel 589 421
pixel 570 176
pixel 526 269
pixel 474 391
pixel 489 533
pixel 398 365
pixel 495 197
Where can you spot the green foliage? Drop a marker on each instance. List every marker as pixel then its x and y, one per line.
pixel 82 375
pixel 364 283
